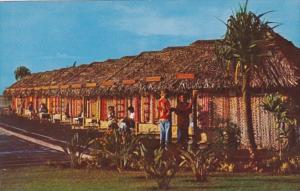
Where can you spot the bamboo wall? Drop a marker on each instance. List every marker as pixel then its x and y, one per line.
pixel 232 108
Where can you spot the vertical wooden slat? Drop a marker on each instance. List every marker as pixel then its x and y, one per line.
pixel 137 109
pixel 98 111
pixel 75 107
pixel 35 107
pixel 142 110
pixel 195 122
pixel 125 107
pixel 103 110
pixel 61 108
pixel 153 108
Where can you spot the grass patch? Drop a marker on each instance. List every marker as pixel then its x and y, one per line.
pixel 49 179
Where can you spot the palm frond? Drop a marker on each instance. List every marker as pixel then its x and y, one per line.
pixel 262 14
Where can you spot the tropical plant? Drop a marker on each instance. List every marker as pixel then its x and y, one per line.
pixel 275 103
pixel 147 158
pixel 77 146
pixel 281 108
pixel 244 50
pixel 121 149
pixel 21 72
pixel 226 167
pixel 229 136
pixel 288 165
pixel 160 164
pixel 201 161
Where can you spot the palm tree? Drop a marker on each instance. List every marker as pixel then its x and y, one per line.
pixel 21 72
pixel 244 49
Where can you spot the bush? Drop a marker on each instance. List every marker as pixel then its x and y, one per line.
pixel 226 167
pixel 229 137
pixel 201 161
pixel 288 163
pixel 160 164
pixel 119 149
pixel 79 143
pixel 286 113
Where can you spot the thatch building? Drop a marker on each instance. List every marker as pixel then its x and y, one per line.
pixel 137 80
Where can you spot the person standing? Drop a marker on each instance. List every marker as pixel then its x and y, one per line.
pixel 31 110
pixel 127 124
pixel 183 110
pixel 30 107
pixel 164 110
pixel 112 118
pixel 131 122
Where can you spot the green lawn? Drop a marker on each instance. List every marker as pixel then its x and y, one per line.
pixel 47 178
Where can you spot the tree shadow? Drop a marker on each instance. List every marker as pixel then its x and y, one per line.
pixel 139 177
pixel 276 180
pixel 199 187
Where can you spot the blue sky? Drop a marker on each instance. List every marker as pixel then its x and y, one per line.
pixel 49 35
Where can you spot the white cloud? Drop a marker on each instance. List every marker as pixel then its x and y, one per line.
pixel 64 55
pixel 60 55
pixel 145 21
pixel 158 25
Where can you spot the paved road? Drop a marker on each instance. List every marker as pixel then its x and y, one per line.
pixel 16 152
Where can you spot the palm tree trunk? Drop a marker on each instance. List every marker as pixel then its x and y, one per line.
pixel 248 111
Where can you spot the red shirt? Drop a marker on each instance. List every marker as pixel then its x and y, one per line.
pixel 164 107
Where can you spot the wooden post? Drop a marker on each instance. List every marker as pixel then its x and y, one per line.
pixel 87 105
pixel 35 106
pixel 70 107
pixel 98 108
pixel 83 110
pixel 61 108
pixel 142 110
pixel 47 103
pixel 137 113
pixel 195 121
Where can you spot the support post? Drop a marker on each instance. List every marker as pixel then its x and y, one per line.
pixel 195 121
pixel 60 105
pixel 83 111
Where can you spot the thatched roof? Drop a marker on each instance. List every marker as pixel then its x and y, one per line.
pixel 178 69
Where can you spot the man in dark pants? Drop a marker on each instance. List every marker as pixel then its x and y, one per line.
pixel 183 111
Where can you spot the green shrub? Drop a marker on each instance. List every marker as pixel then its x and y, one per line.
pixel 226 167
pixel 201 161
pixel 120 150
pixel 288 163
pixel 79 143
pixel 229 137
pixel 286 113
pixel 160 164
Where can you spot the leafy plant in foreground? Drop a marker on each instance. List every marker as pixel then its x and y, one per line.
pixel 121 149
pixel 201 161
pixel 160 164
pixel 76 146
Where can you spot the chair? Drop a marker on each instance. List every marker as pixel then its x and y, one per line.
pixel 44 116
pixel 27 113
pixel 91 122
pixel 65 119
pixel 56 118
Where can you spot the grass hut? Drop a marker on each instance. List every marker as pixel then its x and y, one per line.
pixel 137 80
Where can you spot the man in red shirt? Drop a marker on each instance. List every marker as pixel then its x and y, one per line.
pixel 164 110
